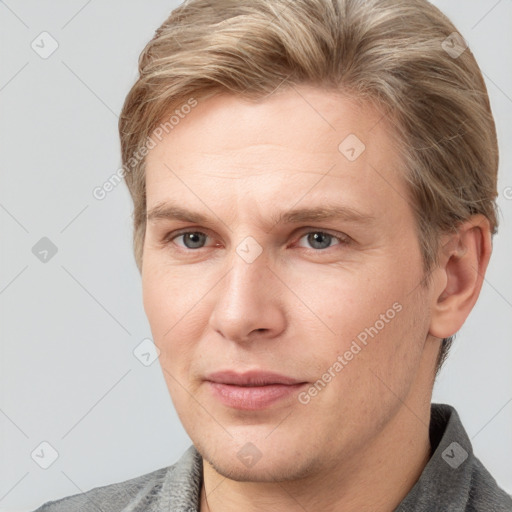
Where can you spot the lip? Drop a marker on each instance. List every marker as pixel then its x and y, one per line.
pixel 253 390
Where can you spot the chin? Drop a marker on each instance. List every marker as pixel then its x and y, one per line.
pixel 273 472
pixel 270 467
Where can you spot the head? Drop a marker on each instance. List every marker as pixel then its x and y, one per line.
pixel 247 109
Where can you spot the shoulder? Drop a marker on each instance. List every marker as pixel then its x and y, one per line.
pixel 178 484
pixel 454 478
pixel 111 498
pixel 485 493
pixel 465 472
pixel 481 491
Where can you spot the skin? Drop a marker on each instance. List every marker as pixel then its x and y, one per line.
pixel 362 441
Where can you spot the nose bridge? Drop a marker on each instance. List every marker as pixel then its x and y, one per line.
pixel 242 302
pixel 246 281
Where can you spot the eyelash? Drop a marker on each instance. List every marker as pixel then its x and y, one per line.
pixel 343 239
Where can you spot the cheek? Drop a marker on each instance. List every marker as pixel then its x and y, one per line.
pixel 342 301
pixel 170 294
pixel 173 308
pixel 372 319
pixel 367 371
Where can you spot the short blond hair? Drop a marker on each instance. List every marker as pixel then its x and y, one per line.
pixel 404 57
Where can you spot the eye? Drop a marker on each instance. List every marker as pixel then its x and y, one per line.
pixel 191 239
pixel 320 240
pixel 317 240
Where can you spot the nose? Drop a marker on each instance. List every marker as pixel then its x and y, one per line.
pixel 248 302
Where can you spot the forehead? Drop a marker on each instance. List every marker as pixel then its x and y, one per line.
pixel 299 144
pixel 289 117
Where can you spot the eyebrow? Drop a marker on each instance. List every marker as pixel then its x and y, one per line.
pixel 168 211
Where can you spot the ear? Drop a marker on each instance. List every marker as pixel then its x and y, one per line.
pixel 463 261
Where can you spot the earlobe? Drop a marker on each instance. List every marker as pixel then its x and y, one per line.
pixel 463 261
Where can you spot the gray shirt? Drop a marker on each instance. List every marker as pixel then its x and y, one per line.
pixel 453 480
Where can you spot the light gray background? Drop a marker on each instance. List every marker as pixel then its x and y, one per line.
pixel 69 326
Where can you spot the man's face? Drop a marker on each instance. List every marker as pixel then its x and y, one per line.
pixel 287 346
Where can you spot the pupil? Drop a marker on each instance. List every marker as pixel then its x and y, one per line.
pixel 193 240
pixel 316 239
